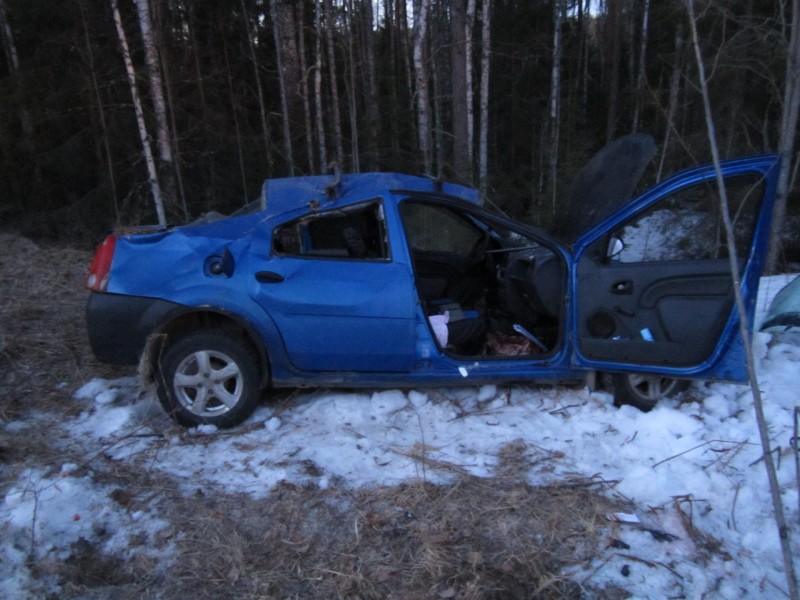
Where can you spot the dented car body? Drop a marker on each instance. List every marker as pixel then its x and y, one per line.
pixel 384 279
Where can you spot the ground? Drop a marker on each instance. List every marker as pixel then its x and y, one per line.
pixel 473 492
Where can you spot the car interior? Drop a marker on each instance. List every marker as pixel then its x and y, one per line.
pixel 501 292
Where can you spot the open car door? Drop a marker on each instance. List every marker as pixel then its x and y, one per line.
pixel 663 301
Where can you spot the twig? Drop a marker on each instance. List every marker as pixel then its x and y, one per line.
pixel 33 523
pixel 422 436
pixel 695 448
pixel 784 531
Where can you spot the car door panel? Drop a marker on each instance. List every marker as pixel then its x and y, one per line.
pixel 662 313
pixel 342 315
pixel 666 300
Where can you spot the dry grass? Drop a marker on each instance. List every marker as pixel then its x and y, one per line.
pixel 44 352
pixel 474 538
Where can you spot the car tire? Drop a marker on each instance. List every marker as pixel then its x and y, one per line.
pixel 209 378
pixel 643 390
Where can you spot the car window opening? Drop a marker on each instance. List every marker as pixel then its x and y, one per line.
pixel 354 233
pixel 486 291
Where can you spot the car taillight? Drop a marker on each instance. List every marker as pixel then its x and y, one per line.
pixel 100 269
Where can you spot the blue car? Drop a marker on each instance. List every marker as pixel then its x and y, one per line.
pixel 390 280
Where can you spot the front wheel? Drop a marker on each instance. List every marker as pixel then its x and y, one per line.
pixel 644 391
pixel 209 377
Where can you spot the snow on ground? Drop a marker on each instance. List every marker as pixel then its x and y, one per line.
pixel 685 464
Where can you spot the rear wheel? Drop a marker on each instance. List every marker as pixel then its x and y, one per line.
pixel 209 377
pixel 642 390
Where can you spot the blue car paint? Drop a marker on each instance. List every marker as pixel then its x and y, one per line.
pixel 727 362
pixel 173 265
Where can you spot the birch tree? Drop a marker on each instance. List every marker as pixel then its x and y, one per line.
pixel 468 83
pixel 166 162
pixel 154 78
pixel 152 171
pixel 486 41
pixel 458 76
pixel 421 18
pixel 323 149
pixel 555 97
pixel 351 91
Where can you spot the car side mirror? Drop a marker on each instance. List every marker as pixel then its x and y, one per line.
pixel 614 248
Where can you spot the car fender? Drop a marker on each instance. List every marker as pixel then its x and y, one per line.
pixel 246 313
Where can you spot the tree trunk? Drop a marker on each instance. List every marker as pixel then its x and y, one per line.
pixel 286 59
pixel 156 84
pixel 9 46
pixel 438 40
pixel 789 118
pixel 237 128
pixel 468 76
pixel 323 148
pixel 371 86
pixel 166 164
pixel 483 151
pixel 639 91
pixel 306 91
pixel 612 59
pixel 672 107
pixel 555 99
pixel 330 28
pixel 262 109
pixel 174 138
pixel 152 171
pixel 462 165
pixel 421 18
pixel 351 93
pixel 101 113
pixel 402 24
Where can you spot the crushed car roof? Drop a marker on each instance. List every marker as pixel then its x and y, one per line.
pixel 290 193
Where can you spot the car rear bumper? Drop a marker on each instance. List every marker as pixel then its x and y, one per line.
pixel 119 325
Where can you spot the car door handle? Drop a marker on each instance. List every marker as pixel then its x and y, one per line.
pixel 269 277
pixel 624 286
pixel 624 311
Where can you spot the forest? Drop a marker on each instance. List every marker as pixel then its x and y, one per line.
pixel 126 112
